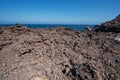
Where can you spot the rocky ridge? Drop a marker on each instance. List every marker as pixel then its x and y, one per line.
pixel 59 53
pixel 110 26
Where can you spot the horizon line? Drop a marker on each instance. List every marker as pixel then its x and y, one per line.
pixel 48 23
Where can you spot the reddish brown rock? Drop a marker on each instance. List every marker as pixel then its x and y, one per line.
pixel 109 26
pixel 58 54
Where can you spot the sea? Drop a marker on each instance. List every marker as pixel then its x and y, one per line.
pixel 77 27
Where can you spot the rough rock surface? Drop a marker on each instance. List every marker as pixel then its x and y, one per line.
pixel 109 26
pixel 58 54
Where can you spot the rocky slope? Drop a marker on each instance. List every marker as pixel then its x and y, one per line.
pixel 59 54
pixel 110 26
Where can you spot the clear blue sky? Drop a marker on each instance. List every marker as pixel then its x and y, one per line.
pixel 58 11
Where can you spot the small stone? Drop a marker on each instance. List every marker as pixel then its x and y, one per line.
pixel 67 70
pixel 117 39
pixel 39 78
pixel 88 28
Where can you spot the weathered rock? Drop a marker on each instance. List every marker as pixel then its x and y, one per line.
pixel 58 54
pixel 87 28
pixel 110 26
pixel 18 25
pixel 117 39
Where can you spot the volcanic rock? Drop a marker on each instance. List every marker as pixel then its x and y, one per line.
pixel 87 28
pixel 109 26
pixel 58 54
pixel 18 25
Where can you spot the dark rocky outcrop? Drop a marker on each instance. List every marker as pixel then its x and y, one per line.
pixel 109 26
pixel 59 54
pixel 18 25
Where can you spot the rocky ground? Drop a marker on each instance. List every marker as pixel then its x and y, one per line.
pixel 59 53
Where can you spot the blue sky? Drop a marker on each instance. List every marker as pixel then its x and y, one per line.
pixel 58 11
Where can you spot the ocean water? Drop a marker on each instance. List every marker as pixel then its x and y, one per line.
pixel 71 26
